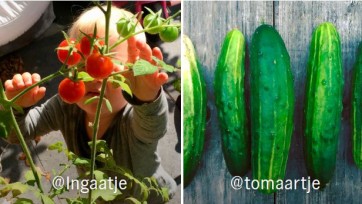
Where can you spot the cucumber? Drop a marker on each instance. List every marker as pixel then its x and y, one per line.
pixel 357 109
pixel 230 103
pixel 194 111
pixel 272 107
pixel 323 106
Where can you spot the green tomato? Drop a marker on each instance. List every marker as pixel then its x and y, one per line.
pixel 169 34
pixel 153 20
pixel 125 27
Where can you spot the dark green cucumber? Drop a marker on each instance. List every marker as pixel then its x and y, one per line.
pixel 323 107
pixel 230 103
pixel 272 106
pixel 194 110
pixel 357 109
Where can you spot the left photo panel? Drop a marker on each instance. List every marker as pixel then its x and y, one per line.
pixel 90 102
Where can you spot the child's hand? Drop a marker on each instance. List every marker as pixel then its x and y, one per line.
pixel 19 83
pixel 146 87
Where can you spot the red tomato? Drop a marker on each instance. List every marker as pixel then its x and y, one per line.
pixel 74 58
pixel 71 91
pixel 99 66
pixel 85 46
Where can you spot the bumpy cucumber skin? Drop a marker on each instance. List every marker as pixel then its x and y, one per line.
pixel 230 103
pixel 272 106
pixel 194 110
pixel 323 107
pixel 357 109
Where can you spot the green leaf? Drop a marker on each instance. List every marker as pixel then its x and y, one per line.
pixel 70 155
pixel 109 105
pixel 147 181
pixel 46 200
pixel 3 181
pixel 16 189
pixel 163 65
pixel 66 36
pixel 101 145
pixel 154 182
pixel 5 123
pixel 143 67
pixel 107 194
pixel 131 200
pixel 82 162
pixel 29 177
pixel 149 10
pixel 164 192
pixel 122 84
pixel 126 88
pixel 106 190
pixel 139 190
pixel 23 201
pixel 56 146
pixel 18 108
pixel 107 159
pixel 84 76
pixel 177 85
pixel 91 100
pixel 178 63
pixel 77 201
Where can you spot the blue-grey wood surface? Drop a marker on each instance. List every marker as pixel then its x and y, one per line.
pixel 206 23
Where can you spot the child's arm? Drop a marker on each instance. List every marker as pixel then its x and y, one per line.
pixel 36 121
pixel 149 120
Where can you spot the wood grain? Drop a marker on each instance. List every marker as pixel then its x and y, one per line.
pixel 207 23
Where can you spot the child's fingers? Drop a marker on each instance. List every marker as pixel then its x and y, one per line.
pixel 18 82
pixel 27 79
pixel 9 85
pixel 35 77
pixel 162 78
pixel 39 94
pixel 133 52
pixel 145 51
pixel 156 51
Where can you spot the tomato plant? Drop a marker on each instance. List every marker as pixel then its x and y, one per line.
pixel 63 52
pixel 169 34
pixel 71 91
pixel 125 27
pixel 99 66
pixel 153 20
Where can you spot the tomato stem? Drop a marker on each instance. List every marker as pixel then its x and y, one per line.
pixel 2 91
pixel 67 166
pixel 25 149
pixel 95 133
pixel 107 14
pixel 174 15
pixel 141 31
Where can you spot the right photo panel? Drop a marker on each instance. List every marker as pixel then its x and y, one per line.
pixel 272 101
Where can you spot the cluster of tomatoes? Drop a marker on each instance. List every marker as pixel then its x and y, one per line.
pixel 97 65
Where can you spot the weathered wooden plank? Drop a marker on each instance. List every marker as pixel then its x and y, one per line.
pixel 207 23
pixel 295 22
